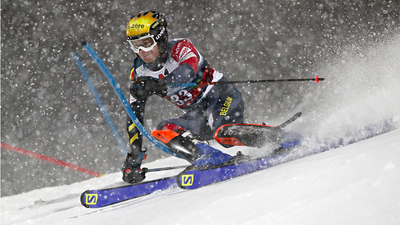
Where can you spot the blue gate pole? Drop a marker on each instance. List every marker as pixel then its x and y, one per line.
pixel 124 102
pixel 101 105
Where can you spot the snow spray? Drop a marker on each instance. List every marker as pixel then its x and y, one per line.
pixel 361 88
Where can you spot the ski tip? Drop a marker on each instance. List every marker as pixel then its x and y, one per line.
pixel 84 43
pixel 83 197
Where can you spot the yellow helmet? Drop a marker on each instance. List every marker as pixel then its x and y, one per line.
pixel 146 24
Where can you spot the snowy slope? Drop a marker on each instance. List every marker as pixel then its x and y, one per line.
pixel 355 184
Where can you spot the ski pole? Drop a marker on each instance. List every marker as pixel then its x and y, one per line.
pixel 316 79
pixel 165 168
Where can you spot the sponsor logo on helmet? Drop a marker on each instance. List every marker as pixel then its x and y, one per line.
pixel 160 34
pixel 136 26
pixel 155 24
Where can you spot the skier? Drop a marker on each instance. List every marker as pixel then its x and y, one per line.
pixel 159 64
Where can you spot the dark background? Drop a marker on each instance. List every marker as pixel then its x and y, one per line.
pixel 47 108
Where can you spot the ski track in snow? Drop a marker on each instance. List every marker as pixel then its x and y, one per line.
pixel 354 184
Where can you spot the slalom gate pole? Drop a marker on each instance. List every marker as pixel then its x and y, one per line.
pixel 51 160
pixel 316 79
pixel 100 103
pixel 124 102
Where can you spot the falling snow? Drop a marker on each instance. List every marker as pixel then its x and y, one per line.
pixel 47 108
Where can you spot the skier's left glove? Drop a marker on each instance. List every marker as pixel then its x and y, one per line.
pixel 144 87
pixel 131 171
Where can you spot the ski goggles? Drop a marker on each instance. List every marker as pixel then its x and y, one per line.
pixel 146 43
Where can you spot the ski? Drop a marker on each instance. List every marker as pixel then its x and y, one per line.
pixel 106 197
pixel 193 178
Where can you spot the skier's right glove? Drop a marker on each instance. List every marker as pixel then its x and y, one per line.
pixel 144 87
pixel 131 171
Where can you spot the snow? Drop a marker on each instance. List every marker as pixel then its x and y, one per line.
pixel 354 184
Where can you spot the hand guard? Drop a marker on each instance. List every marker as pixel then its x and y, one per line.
pixel 131 171
pixel 144 87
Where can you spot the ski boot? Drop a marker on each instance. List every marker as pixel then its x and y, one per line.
pixel 198 154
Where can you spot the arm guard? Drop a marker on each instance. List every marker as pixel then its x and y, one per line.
pixel 135 137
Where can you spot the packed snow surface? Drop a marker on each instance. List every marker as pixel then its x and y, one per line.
pixel 354 184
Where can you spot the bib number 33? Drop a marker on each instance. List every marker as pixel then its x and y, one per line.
pixel 182 97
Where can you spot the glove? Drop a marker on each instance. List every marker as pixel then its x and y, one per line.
pixel 147 86
pixel 131 171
